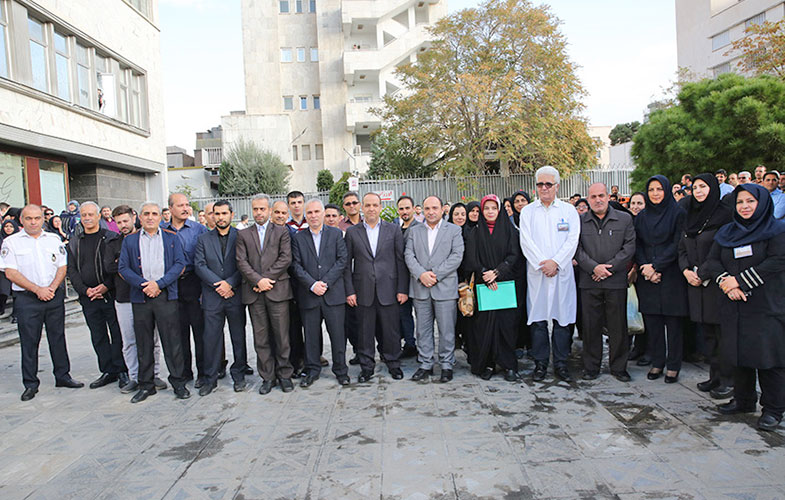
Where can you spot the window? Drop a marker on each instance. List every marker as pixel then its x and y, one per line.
pixel 284 4
pixel 140 5
pixel 286 54
pixel 288 103
pixel 122 100
pixel 3 57
pixel 306 150
pixel 319 151
pixel 62 59
pixel 317 102
pixel 38 54
pixel 137 89
pixel 312 6
pixel 314 54
pixel 300 54
pixel 294 153
pixel 298 6
pixel 721 69
pixel 759 19
pixel 83 75
pixel 721 40
pixel 303 102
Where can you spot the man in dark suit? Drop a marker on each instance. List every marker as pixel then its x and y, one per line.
pixel 377 282
pixel 263 255
pixel 319 255
pixel 216 265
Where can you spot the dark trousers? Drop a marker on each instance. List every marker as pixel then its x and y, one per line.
pixel 296 339
pixel 389 324
pixel 105 334
pixel 772 388
pixel 270 321
pixel 233 312
pixel 352 326
pixel 665 335
pixel 189 290
pixel 541 345
pixel 162 313
pixel 603 307
pixel 333 317
pixel 407 323
pixel 33 314
pixel 718 370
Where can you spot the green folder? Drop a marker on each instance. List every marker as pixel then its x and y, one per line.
pixel 503 298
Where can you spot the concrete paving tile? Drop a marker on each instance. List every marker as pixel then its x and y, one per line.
pixel 356 432
pixel 499 482
pixel 769 463
pixel 739 433
pixel 609 443
pixel 299 434
pixel 663 495
pixel 410 409
pixel 529 424
pixel 348 487
pixel 714 469
pixel 671 439
pixel 470 453
pixel 285 461
pixel 70 490
pixel 427 455
pixel 401 432
pixel 635 415
pixel 350 459
pixel 422 484
pixel 269 487
pixel 139 488
pixel 195 489
pixel 542 448
pixel 12 492
pixel 449 407
pixel 566 479
pixel 460 428
pixel 638 474
pixel 32 469
pixel 744 493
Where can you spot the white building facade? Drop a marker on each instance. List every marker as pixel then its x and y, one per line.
pixel 313 71
pixel 81 109
pixel 705 30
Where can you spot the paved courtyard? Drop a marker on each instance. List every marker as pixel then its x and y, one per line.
pixel 387 439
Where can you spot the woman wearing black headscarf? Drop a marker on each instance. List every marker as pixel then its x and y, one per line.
pixel 662 291
pixel 519 200
pixel 524 342
pixel 472 213
pixel 747 260
pixel 493 254
pixel 457 216
pixel 8 227
pixel 705 215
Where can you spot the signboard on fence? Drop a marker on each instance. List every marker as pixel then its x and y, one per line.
pixel 387 194
pixel 354 184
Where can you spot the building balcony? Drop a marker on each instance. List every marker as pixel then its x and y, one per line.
pixel 375 9
pixel 359 117
pixel 372 61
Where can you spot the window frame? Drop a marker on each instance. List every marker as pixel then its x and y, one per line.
pixel 62 56
pixel 317 101
pixel 300 54
pixel 290 100
pixel 281 4
pixel 44 45
pixel 314 54
pixel 284 51
pixel 5 66
pixel 303 103
pixel 305 149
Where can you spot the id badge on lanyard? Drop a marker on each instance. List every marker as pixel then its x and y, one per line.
pixel 741 252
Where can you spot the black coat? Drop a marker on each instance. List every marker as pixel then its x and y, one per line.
pixel 328 267
pixel 753 332
pixel 212 266
pixel 704 301
pixel 669 297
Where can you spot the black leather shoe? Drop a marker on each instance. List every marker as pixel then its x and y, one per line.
pixel 160 384
pixel 540 370
pixel 733 407
pixel 590 375
pixel 222 373
pixel 29 393
pixel 722 392
pixel 671 379
pixel 344 380
pixel 267 386
pixel 421 374
pixel 239 385
pixel 355 360
pixel 487 373
pixel 396 373
pixel 365 376
pixel 708 385
pixel 130 387
pixel 622 376
pixel 122 380
pixel 199 383
pixel 69 382
pixel 286 385
pixel 299 374
pixel 206 389
pixel 184 393
pixel 446 376
pixel 142 395
pixel 104 379
pixel 308 380
pixel 652 375
pixel 323 361
pixel 511 376
pixel 248 371
pixel 409 351
pixel 768 422
pixel 643 361
pixel 563 373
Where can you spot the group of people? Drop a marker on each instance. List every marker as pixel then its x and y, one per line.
pixel 490 279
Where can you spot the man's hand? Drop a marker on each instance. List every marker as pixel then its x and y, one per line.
pixel 45 293
pixel 402 298
pixel 428 278
pixel 549 268
pixel 489 277
pixel 97 292
pixel 728 283
pixel 352 300
pixel 736 294
pixel 265 284
pixel 319 288
pixel 223 288
pixel 150 288
pixel 601 272
pixel 692 277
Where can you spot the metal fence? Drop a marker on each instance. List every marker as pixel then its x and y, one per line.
pixel 455 189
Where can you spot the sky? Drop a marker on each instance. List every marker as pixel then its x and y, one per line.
pixel 625 51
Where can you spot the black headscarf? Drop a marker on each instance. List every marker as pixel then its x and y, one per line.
pixel 14 213
pixel 655 223
pixel 710 213
pixel 452 209
pixel 469 207
pixel 493 248
pixel 618 206
pixel 761 226
pixel 516 214
pixel 6 222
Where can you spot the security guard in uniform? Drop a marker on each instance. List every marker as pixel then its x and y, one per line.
pixel 35 263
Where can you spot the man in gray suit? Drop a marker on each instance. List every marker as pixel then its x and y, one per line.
pixel 434 251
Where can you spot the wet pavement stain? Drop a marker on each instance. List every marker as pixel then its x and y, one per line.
pixel 363 440
pixel 189 452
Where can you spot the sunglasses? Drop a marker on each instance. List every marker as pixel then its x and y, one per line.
pixel 49 213
pixel 348 203
pixel 546 185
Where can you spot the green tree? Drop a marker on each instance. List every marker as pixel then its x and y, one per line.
pixel 249 169
pixel 395 156
pixel 624 132
pixel 339 189
pixel 496 82
pixel 324 180
pixel 731 122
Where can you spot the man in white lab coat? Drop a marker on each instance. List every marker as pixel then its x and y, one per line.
pixel 550 230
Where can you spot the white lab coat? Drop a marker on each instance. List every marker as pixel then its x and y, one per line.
pixel 541 239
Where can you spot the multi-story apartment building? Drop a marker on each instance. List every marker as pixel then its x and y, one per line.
pixel 313 71
pixel 81 110
pixel 705 30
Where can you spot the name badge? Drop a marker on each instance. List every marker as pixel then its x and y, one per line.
pixel 563 226
pixel 741 252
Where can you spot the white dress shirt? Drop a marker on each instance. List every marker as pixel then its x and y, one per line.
pixel 37 259
pixel 432 234
pixel 151 251
pixel 373 235
pixel 261 230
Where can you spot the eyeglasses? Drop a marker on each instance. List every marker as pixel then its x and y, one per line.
pixel 348 203
pixel 49 213
pixel 546 185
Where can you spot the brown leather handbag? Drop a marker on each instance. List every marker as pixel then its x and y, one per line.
pixel 466 297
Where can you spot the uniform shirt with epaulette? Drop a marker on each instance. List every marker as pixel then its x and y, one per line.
pixel 37 259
